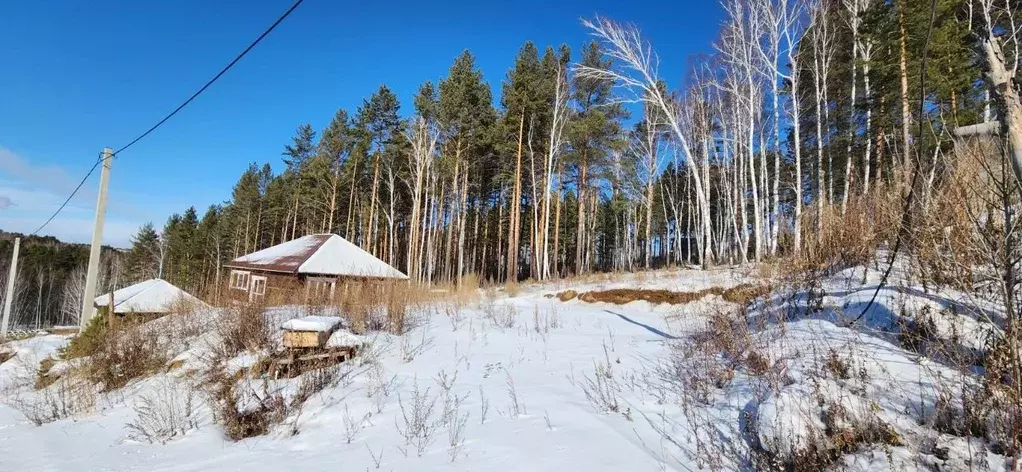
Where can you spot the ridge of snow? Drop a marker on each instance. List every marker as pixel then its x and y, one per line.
pixel 338 256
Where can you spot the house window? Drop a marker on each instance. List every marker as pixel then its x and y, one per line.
pixel 321 288
pixel 239 279
pixel 258 287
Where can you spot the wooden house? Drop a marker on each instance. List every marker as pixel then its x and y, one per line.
pixel 145 300
pixel 310 267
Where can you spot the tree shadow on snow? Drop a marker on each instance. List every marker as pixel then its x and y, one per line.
pixel 644 326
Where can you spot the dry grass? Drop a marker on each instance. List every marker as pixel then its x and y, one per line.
pixel 64 398
pixel 741 294
pixel 125 355
pixel 242 328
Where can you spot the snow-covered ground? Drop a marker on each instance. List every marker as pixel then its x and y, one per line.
pixel 537 384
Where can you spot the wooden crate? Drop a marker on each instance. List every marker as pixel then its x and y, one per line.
pixel 305 338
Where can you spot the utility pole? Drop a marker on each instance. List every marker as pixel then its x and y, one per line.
pixel 97 240
pixel 9 297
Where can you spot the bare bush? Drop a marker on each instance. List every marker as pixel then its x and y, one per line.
pixel 125 355
pixel 263 409
pixel 410 349
pixel 164 413
pixel 502 316
pixel 601 389
pixel 351 425
pixel 379 386
pixel 417 424
pixel 377 458
pixel 454 314
pixel 66 397
pixel 456 434
pixel 515 408
pixel 242 328
pixel 484 406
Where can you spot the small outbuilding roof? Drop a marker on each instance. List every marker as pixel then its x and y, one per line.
pixel 150 296
pixel 319 254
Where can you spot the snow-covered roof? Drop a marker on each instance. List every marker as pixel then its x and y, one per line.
pixel 323 324
pixel 150 296
pixel 322 254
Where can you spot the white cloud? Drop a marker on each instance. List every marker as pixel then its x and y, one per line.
pixel 38 191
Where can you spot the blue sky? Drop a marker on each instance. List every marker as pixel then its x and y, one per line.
pixel 79 75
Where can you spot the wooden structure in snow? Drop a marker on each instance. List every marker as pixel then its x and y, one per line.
pixel 146 300
pixel 313 342
pixel 312 267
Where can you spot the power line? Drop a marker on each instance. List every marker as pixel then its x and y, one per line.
pixel 175 111
pixel 906 216
pixel 73 192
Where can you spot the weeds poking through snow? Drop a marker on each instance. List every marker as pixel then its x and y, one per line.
pixel 454 315
pixel 379 387
pixel 377 458
pixel 601 390
pixel 502 316
pixel 456 434
pixel 352 426
pixel 484 406
pixel 546 417
pixel 66 397
pixel 515 408
pixel 417 425
pixel 409 351
pixel 164 414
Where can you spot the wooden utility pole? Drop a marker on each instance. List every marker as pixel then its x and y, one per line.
pixel 97 240
pixel 9 295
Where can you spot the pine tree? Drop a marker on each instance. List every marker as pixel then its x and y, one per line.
pixel 595 129
pixel 144 259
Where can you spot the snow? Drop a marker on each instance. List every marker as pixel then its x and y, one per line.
pixel 338 256
pixel 288 255
pixel 344 338
pixel 320 254
pixel 323 324
pixel 150 296
pixel 28 353
pixel 545 350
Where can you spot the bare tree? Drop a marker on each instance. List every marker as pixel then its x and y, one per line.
pixel 638 75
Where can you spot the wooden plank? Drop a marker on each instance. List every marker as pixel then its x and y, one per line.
pixel 296 339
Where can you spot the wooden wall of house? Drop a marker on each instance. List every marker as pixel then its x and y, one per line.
pixel 286 289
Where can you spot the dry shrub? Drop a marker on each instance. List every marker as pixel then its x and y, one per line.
pixel 89 341
pixel 836 366
pixel 6 356
pixel 164 413
pixel 66 397
pixel 242 327
pixel 851 238
pixel 741 294
pixel 43 376
pixel 727 333
pixel 222 397
pixel 758 364
pixel 125 355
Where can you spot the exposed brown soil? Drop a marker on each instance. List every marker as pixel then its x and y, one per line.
pixel 741 294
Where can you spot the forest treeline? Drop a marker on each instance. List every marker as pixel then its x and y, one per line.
pixel 587 160
pixel 801 107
